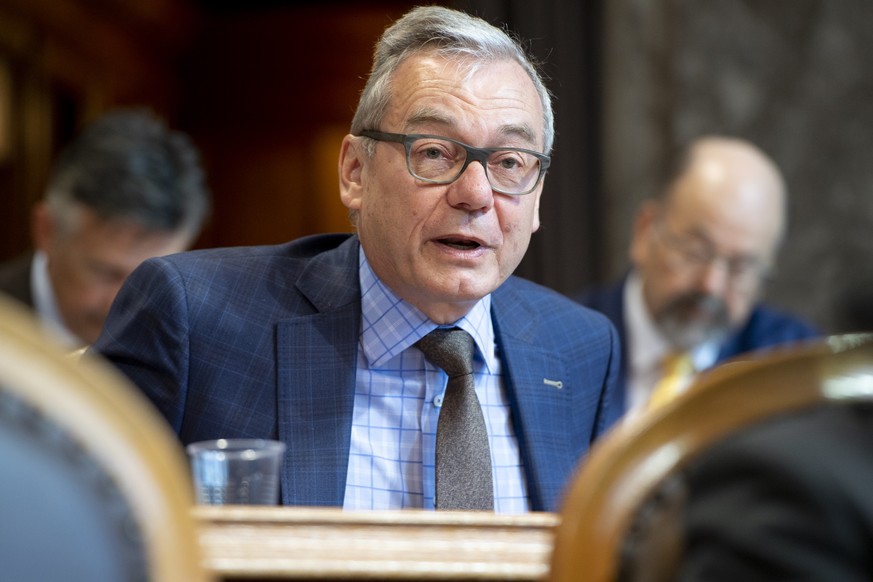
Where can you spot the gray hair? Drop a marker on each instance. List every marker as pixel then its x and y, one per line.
pixel 453 35
pixel 129 165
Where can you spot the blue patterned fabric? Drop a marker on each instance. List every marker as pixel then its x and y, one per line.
pixel 264 342
pixel 397 402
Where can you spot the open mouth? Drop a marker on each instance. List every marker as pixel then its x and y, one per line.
pixel 460 243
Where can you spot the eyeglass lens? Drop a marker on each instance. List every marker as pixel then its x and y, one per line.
pixel 440 160
pixel 697 255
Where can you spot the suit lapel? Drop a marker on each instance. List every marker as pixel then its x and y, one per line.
pixel 316 356
pixel 612 305
pixel 534 379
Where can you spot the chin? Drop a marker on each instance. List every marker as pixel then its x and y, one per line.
pixel 454 293
pixel 475 288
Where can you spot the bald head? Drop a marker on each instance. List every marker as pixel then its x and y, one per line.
pixel 703 247
pixel 732 182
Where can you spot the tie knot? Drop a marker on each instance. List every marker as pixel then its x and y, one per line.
pixel 449 348
pixel 677 364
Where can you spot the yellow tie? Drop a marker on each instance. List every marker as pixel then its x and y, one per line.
pixel 677 368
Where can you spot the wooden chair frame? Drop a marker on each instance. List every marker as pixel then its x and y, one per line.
pixel 628 464
pixel 118 428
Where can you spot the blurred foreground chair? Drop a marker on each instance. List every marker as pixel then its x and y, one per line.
pixel 622 516
pixel 93 486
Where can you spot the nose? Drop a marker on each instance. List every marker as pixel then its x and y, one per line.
pixel 472 190
pixel 714 277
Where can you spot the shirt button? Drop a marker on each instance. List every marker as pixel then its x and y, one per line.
pixel 438 401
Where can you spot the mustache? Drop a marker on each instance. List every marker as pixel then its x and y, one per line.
pixel 694 318
pixel 698 303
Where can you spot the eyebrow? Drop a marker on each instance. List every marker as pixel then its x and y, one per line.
pixel 430 116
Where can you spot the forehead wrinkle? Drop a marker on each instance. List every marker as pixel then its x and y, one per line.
pixel 429 115
pixel 524 131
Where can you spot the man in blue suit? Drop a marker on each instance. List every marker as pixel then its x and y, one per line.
pixel 701 252
pixel 314 342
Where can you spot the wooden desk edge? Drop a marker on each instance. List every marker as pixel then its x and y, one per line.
pixel 299 543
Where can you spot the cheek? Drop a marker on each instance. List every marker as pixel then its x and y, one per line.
pixel 739 305
pixel 509 229
pixel 516 239
pixel 518 217
pixel 67 274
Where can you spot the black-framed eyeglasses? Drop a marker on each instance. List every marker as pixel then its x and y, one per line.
pixel 696 255
pixel 441 160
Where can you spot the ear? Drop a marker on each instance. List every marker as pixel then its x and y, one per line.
pixel 43 226
pixel 536 211
pixel 351 166
pixel 644 221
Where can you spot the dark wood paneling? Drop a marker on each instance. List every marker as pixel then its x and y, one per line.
pixel 68 61
pixel 266 89
pixel 270 92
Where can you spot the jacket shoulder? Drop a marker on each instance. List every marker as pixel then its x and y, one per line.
pixel 547 309
pixel 767 327
pixel 766 323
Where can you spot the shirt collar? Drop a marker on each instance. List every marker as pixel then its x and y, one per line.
pixel 391 325
pixel 45 304
pixel 646 346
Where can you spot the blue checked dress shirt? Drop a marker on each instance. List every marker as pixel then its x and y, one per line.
pixel 397 402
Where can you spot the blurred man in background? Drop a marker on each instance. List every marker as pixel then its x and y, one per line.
pixel 125 190
pixel 700 252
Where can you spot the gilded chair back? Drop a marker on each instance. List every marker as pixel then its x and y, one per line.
pixel 94 485
pixel 621 519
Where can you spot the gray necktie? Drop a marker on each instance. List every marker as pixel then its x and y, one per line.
pixel 463 457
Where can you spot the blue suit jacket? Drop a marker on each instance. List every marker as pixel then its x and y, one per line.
pixel 765 328
pixel 262 342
